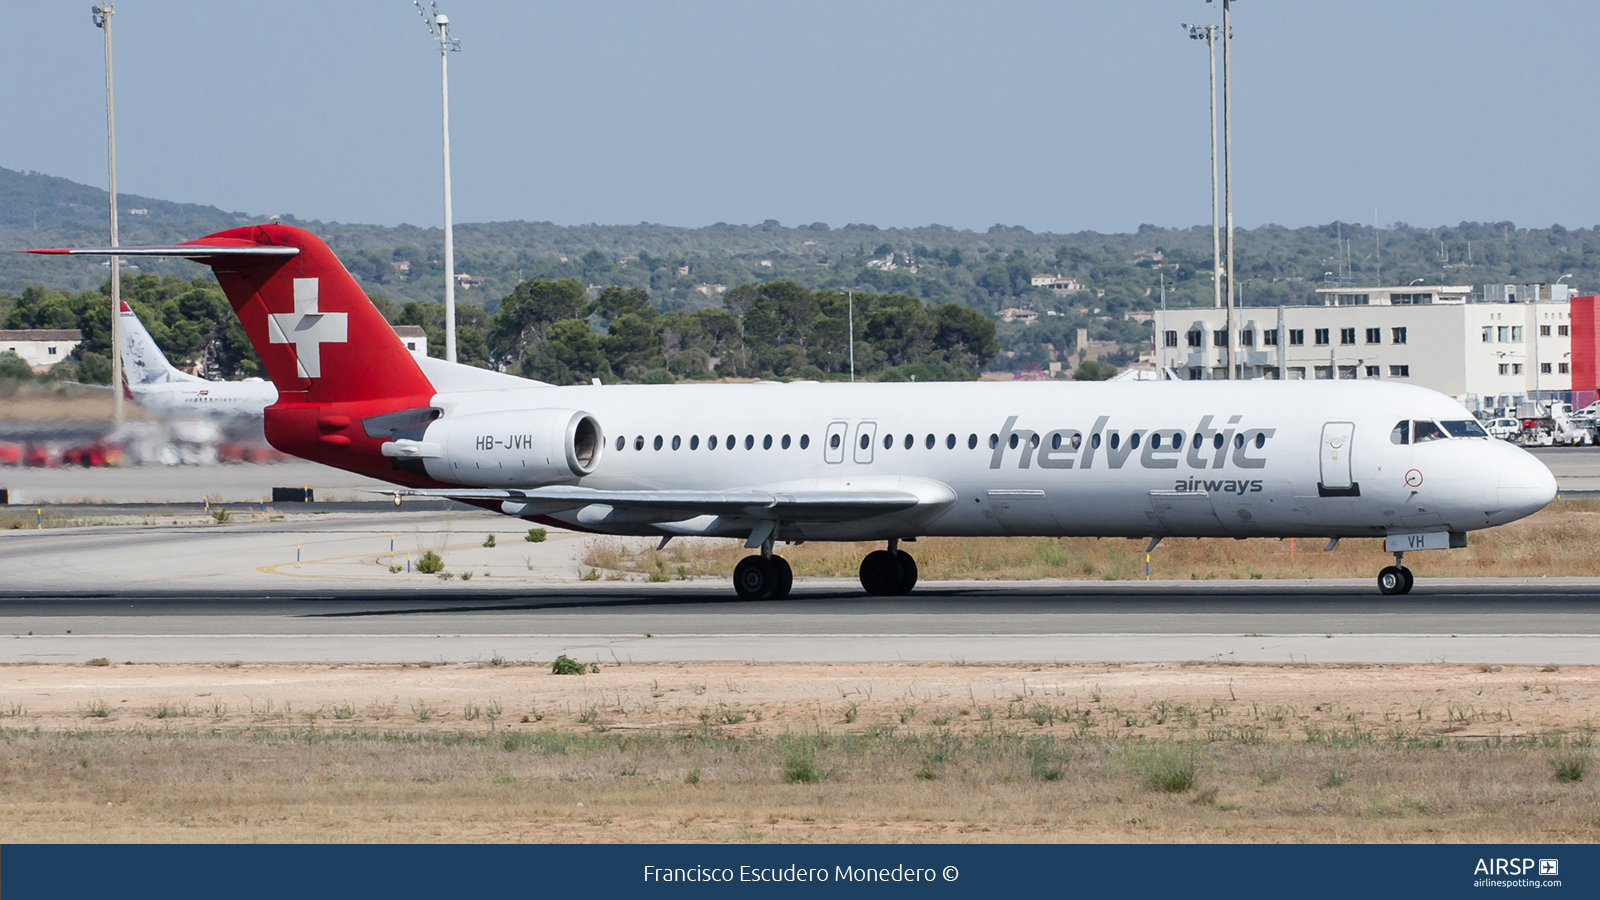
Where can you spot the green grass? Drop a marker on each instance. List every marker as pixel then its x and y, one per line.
pixel 1169 770
pixel 1570 766
pixel 431 563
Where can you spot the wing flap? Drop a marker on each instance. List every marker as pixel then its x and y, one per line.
pixel 788 506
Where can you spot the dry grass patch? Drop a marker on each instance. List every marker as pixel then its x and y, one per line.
pixel 858 752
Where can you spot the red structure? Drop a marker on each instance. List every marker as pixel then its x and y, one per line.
pixel 1585 315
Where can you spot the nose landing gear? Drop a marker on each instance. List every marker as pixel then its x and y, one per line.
pixel 890 572
pixel 1395 579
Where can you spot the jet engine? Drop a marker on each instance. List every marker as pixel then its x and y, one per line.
pixel 513 448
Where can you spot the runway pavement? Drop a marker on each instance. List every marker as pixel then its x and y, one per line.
pixel 1465 621
pixel 333 587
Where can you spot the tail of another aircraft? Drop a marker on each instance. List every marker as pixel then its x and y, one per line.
pixel 142 361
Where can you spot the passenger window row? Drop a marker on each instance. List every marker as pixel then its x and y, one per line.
pixel 910 441
pixel 1175 441
pixel 713 441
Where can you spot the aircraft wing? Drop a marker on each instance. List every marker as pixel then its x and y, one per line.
pixel 789 506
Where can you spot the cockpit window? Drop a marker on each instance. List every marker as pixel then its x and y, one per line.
pixel 1423 431
pixel 1464 428
pixel 1401 433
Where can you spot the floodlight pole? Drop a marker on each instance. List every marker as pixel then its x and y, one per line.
pixel 439 27
pixel 1208 33
pixel 851 299
pixel 1227 170
pixel 102 19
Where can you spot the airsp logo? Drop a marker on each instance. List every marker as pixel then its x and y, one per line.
pixel 308 328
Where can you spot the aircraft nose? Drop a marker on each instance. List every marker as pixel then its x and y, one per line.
pixel 1523 484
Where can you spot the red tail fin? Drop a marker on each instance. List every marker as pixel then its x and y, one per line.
pixel 320 338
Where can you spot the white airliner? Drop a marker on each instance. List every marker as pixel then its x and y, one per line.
pixel 157 384
pixel 771 463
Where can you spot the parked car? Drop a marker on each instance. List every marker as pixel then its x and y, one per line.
pixel 1503 428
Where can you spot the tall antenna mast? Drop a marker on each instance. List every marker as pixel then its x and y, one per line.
pixel 439 26
pixel 102 20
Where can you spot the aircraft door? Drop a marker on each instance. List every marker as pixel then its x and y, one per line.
pixel 1336 445
pixel 866 434
pixel 833 442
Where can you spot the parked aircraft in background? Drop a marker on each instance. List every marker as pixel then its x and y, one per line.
pixel 770 463
pixel 155 383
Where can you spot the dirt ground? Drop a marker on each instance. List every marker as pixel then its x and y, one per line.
pixel 501 750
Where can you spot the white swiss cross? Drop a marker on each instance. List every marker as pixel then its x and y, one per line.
pixel 307 329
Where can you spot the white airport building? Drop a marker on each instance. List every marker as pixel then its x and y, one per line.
pixel 1441 336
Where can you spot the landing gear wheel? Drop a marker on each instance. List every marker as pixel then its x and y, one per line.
pixel 1392 580
pixel 908 572
pixel 782 578
pixel 754 578
pixel 1410 580
pixel 881 573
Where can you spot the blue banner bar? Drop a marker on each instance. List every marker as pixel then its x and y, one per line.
pixel 310 872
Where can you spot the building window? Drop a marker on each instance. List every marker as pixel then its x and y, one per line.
pixel 1544 368
pixel 1171 338
pixel 1488 333
pixel 1353 299
pixel 50 351
pixel 1399 371
pixel 1324 373
pixel 1347 373
pixel 1297 336
pixel 1297 373
pixel 1505 368
pixel 1398 335
pixel 1372 371
pixel 1374 335
pixel 1516 368
pixel 1562 331
pixel 1194 338
pixel 1347 335
pixel 1564 368
pixel 1272 373
pixel 1219 338
pixel 1322 337
pixel 1219 373
pixel 1504 334
pixel 1196 373
pixel 1516 334
pixel 1410 299
pixel 1544 331
pixel 1269 338
pixel 1247 338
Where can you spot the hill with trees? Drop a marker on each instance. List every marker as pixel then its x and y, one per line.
pixel 689 274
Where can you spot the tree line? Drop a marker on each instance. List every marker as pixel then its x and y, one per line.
pixel 558 331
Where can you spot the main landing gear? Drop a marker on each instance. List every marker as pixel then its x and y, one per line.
pixel 889 572
pixel 764 577
pixel 1395 579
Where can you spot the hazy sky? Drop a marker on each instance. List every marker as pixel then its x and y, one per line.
pixel 1057 116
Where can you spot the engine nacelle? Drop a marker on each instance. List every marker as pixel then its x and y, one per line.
pixel 515 448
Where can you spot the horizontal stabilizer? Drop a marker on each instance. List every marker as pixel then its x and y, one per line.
pixel 186 251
